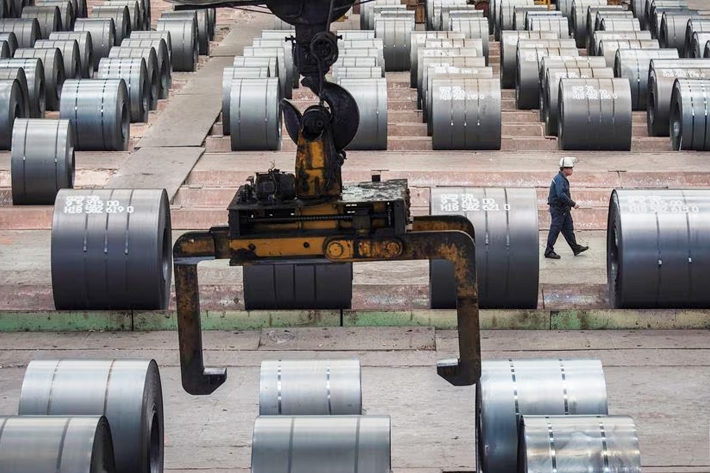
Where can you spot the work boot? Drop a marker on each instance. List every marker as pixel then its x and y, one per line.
pixel 553 255
pixel 580 249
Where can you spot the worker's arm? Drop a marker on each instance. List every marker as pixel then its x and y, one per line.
pixel 560 191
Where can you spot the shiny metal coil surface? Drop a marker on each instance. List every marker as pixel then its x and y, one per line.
pixel 156 71
pixel 54 76
pixel 70 55
pixel 34 73
pixel 633 65
pixel 135 75
pixel 48 17
pixel 527 76
pixel 371 98
pixel 418 38
pixel 120 16
pixel 508 52
pixel 26 30
pixel 689 126
pixel 12 106
pixel 183 37
pixel 255 115
pixel 103 36
pixel 86 49
pixel 228 75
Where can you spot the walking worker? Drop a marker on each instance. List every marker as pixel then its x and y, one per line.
pixel 561 205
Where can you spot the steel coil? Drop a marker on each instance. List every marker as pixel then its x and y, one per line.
pixel 511 389
pixel 12 106
pixel 284 80
pixel 183 37
pixel 155 73
pixel 450 11
pixel 447 71
pixel 80 8
pixel 527 78
pixel 608 48
pixel 507 263
pixel 127 392
pixel 506 12
pixel 103 36
pixel 433 11
pixel 551 91
pixel 11 41
pixel 706 54
pixel 673 29
pixel 695 26
pixel 508 49
pixel 495 12
pixel 321 444
pixel 289 66
pixel 228 75
pixel 466 114
pixel 661 78
pixel 34 444
pixel 54 75
pixel 120 16
pixel 298 286
pixel 697 45
pixel 48 17
pixel 135 74
pixel 557 62
pixel 444 51
pixel 657 248
pixel 164 35
pixel 615 24
pixel 255 115
pixel 111 249
pixel 269 62
pixel 594 22
pixel 200 19
pixel 600 36
pixel 70 55
pixel 360 43
pixel 357 73
pixel 4 50
pixel 18 74
pixel 471 63
pixel 523 16
pixel 417 40
pixel 689 125
pixel 26 30
pixel 579 443
pixel 580 27
pixel 558 25
pixel 135 14
pixel 656 19
pixel 34 73
pixel 389 11
pixel 41 159
pixel 371 98
pixel 366 12
pixel 396 36
pixel 279 24
pixel 346 35
pixel 633 65
pixel 85 47
pixel 473 28
pixel 96 125
pixel 66 12
pixel 594 114
pixel 310 387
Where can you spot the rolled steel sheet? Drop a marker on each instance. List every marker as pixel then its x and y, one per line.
pixel 183 37
pixel 80 8
pixel 54 75
pixel 284 79
pixel 508 50
pixel 86 49
pixel 559 25
pixel 268 62
pixel 418 38
pixel 633 65
pixel 507 260
pixel 396 35
pixel 135 74
pixel 41 160
pixel 594 22
pixel 18 74
pixel 356 62
pixel 366 10
pixel 321 444
pixel 673 29
pixel 288 62
pixel 70 55
pixel 99 111
pixel 279 24
pixel 12 106
pixel 361 43
pixel 506 12
pixel 228 74
pixel 103 36
pixel 357 73
pixel 511 389
pixel 523 15
pixel 446 50
pixel 470 63
pixel 156 71
pixel 600 36
pixel 689 125
pixel 164 35
pixel 11 41
pixel 212 21
pixel 697 45
pixel 351 35
pixel 362 55
pixel 578 443
pixel 466 114
pixel 695 26
pixel 473 28
pixel 614 24
pixel 26 30
pixel 608 48
pixel 48 17
pixel 580 15
pixel 4 50
pixel 655 18
pixel 310 387
pixel 41 444
pixel 551 91
pixel 66 12
pixel 122 237
pixel 527 80
pixel 432 8
pixel 298 286
pixel 661 78
pixel 447 11
pixel 657 248
pixel 135 14
pixel 127 392
pixel 255 115
pixel 594 114
pixel 638 8
pixel 200 17
pixel 380 11
pixel 120 16
pixel 34 73
pixel 447 71
pixel 557 62
pixel 706 54
pixel 371 98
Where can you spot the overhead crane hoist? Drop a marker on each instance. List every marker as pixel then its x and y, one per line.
pixel 312 215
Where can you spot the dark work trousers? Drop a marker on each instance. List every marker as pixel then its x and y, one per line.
pixel 561 222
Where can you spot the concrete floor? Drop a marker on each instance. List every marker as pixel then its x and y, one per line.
pixel 660 378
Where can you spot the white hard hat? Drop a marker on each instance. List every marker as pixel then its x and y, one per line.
pixel 568 162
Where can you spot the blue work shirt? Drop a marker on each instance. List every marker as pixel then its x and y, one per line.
pixel 560 196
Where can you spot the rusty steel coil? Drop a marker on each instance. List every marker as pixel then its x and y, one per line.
pixel 466 114
pixel 12 106
pixel 155 81
pixel 527 78
pixel 447 71
pixel 120 16
pixel 396 35
pixel 54 75
pixel 34 73
pixel 70 55
pixel 122 239
pixel 183 37
pixel 86 49
pixel 600 36
pixel 103 37
pixel 508 51
pixel 661 78
pixel 608 48
pixel 228 75
pixel 255 115
pixel 689 125
pixel 135 14
pixel 511 389
pixel 11 41
pixel 201 23
pixel 48 17
pixel 56 444
pixel 99 111
pixel 282 74
pixel 507 262
pixel 633 65
pixel 26 30
pixel 594 114
pixel 128 393
pixel 418 38
pixel 310 387
pixel 134 73
pixel 371 98
pixel 41 160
